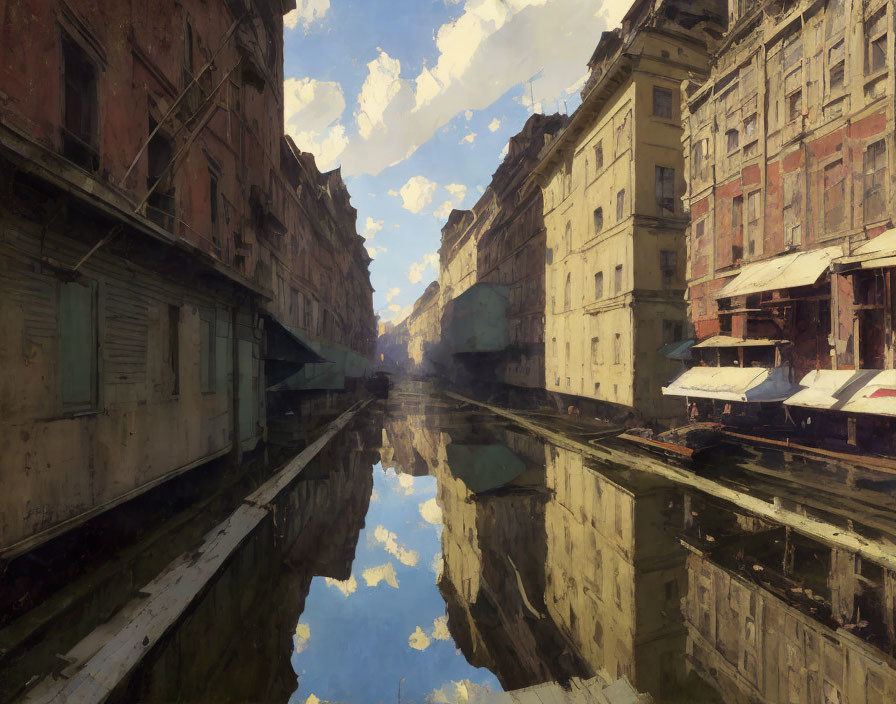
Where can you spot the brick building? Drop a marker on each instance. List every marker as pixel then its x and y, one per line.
pixel 149 212
pixel 789 151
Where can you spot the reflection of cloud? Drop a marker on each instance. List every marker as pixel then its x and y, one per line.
pixel 437 565
pixel 375 575
pixel 302 636
pixel 418 640
pixel 406 482
pixel 440 629
pixel 348 586
pixel 463 692
pixel 374 495
pixel 431 512
pixel 390 543
pixel 314 700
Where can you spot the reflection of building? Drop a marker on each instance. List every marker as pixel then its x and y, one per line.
pixel 615 569
pixel 238 633
pixel 754 647
pixel 612 183
pixel 392 346
pixel 494 551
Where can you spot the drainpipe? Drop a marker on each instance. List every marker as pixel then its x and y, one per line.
pixel 237 450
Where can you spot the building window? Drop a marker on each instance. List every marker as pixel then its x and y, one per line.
pixel 737 222
pixel 618 282
pixel 665 188
pixel 876 42
pixel 207 351
pixel 662 102
pixel 567 292
pixel 834 196
pixel 732 139
pixel 617 349
pixel 794 105
pixel 836 67
pixel 595 350
pixel 554 347
pixel 567 361
pixel 875 180
pixel 620 205
pixel 80 107
pixel 160 204
pixel 598 156
pixel 567 238
pixel 699 229
pixel 172 361
pixel 750 126
pixel 78 342
pixel 599 284
pixel 668 267
pixel 672 331
pixel 598 219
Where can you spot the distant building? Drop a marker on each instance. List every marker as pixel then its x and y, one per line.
pixel 789 149
pixel 424 329
pixel 165 253
pixel 613 181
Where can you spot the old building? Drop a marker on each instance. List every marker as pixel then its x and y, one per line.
pixel 612 182
pixel 511 253
pixel 424 329
pixel 789 150
pixel 147 217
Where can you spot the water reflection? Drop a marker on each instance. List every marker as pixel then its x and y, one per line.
pixel 437 554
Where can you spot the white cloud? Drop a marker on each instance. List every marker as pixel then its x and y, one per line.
pixel 398 313
pixel 417 269
pixel 306 12
pixel 468 115
pixel 311 112
pixel 371 227
pixel 391 545
pixel 458 193
pixel 417 193
pixel 431 512
pixel 393 192
pixel 462 692
pixel 437 565
pixel 493 46
pixel 406 482
pixel 381 573
pixel 504 152
pixel 469 139
pixel 458 190
pixel 494 125
pixel 440 629
pixel 392 293
pixel 380 88
pixel 347 587
pixel 372 252
pixel 418 640
pixel 301 637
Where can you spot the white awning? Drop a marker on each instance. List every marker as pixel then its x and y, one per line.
pixel 745 384
pixel 727 341
pixel 788 271
pixel 873 254
pixel 862 391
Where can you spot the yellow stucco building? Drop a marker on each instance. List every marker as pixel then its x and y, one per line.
pixel 613 181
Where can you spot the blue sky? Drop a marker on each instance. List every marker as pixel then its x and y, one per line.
pixel 357 639
pixel 416 99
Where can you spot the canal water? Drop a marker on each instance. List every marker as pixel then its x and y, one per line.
pixel 436 553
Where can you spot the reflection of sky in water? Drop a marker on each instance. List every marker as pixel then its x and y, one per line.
pixel 355 642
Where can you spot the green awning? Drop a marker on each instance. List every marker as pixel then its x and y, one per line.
pixel 484 467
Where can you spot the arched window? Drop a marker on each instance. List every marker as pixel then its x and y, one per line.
pixel 567 238
pixel 567 292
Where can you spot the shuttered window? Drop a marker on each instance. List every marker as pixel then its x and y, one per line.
pixel 78 341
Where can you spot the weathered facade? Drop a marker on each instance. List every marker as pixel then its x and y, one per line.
pixel 147 218
pixel 612 184
pixel 789 150
pixel 424 329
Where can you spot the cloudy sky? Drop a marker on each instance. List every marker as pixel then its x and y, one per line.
pixel 416 99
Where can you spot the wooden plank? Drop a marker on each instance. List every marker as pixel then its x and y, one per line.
pixel 681 450
pixel 171 593
pixel 841 538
